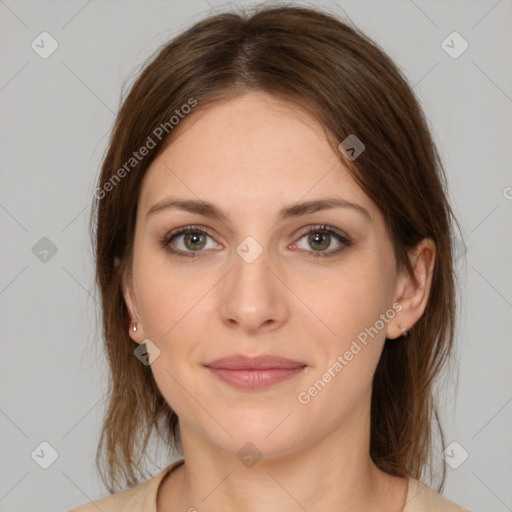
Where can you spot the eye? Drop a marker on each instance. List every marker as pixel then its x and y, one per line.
pixel 321 238
pixel 187 240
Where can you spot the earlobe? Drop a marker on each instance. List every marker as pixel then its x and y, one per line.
pixel 136 333
pixel 413 295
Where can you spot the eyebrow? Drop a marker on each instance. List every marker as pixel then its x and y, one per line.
pixel 291 211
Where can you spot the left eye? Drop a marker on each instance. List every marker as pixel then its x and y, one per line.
pixel 321 238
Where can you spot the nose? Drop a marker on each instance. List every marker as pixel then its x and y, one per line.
pixel 253 298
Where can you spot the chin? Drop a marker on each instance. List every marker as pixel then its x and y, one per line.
pixel 268 438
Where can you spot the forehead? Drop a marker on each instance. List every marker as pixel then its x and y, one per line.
pixel 251 150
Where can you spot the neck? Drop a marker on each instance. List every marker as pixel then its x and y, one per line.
pixel 335 473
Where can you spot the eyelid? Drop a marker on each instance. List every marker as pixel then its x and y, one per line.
pixel 324 227
pixel 190 227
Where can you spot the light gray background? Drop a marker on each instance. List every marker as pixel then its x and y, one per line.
pixel 56 114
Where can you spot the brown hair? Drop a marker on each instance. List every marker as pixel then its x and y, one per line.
pixel 350 86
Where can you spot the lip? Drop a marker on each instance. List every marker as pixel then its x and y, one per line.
pixel 263 362
pixel 255 373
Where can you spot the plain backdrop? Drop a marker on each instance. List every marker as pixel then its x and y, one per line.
pixel 56 113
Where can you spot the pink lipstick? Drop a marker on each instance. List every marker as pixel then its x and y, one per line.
pixel 255 373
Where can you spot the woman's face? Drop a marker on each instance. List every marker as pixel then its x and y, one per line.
pixel 252 285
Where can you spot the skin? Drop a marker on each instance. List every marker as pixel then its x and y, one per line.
pixel 251 156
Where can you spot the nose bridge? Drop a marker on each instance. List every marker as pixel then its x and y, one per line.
pixel 252 295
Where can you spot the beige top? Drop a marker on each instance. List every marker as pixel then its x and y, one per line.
pixel 142 498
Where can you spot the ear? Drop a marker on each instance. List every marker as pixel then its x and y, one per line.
pixel 413 297
pixel 131 303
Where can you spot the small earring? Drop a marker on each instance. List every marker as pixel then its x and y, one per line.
pixel 134 328
pixel 405 334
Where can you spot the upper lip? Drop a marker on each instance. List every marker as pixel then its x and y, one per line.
pixel 263 362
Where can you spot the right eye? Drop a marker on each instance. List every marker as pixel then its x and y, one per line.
pixel 187 240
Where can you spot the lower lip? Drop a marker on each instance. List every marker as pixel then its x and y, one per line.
pixel 255 379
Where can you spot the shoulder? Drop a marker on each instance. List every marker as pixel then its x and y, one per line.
pixel 422 498
pixel 141 498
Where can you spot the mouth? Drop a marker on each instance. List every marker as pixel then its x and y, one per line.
pixel 255 373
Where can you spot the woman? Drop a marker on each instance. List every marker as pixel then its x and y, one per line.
pixel 273 243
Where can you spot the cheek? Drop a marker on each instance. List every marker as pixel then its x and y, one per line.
pixel 344 301
pixel 346 328
pixel 167 295
pixel 170 310
pixel 171 305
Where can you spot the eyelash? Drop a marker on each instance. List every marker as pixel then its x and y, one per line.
pixel 325 229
